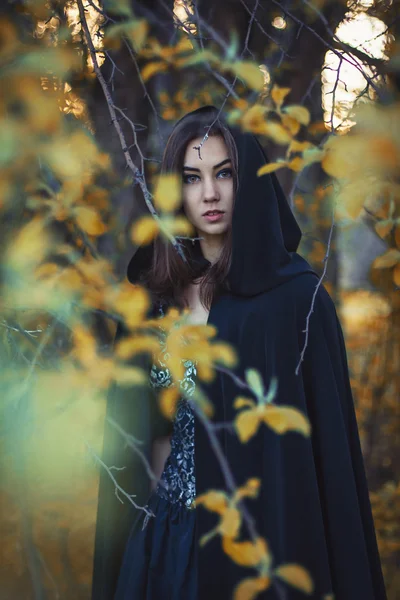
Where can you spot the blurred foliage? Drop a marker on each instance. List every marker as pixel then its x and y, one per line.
pixel 61 295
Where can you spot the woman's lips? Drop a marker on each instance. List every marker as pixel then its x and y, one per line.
pixel 213 218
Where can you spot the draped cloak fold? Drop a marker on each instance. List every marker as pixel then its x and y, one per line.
pixel 313 508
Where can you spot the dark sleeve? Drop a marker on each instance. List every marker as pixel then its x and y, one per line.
pixel 135 409
pixel 352 546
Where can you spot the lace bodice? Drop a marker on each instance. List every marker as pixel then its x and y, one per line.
pixel 179 479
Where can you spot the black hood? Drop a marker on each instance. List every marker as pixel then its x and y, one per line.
pixel 265 234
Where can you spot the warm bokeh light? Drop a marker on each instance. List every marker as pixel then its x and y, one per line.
pixel 279 23
pixel 94 20
pixel 183 9
pixel 342 81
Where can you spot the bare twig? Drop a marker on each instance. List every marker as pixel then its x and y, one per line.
pixel 118 488
pixel 138 175
pixel 133 443
pixel 306 330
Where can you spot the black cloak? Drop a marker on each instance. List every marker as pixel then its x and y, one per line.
pixel 313 508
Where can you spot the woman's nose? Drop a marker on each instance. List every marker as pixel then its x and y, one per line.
pixel 210 189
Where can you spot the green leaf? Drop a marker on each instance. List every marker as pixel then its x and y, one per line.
pixel 273 388
pixel 118 7
pixel 254 380
pixel 135 30
pixel 233 47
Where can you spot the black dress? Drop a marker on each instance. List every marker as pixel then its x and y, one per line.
pixel 313 506
pixel 160 557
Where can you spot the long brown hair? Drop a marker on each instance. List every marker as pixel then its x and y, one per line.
pixel 169 275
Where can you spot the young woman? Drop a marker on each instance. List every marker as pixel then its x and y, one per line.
pixel 244 276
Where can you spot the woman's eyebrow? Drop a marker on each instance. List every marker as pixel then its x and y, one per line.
pixel 223 162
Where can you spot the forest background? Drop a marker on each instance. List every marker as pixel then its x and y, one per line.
pixel 89 92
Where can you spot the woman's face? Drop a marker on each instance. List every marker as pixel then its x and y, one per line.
pixel 208 186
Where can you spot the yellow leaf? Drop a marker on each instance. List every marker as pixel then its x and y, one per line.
pixel 247 423
pixel 144 230
pixel 397 235
pixel 240 402
pixel 284 418
pixel 137 33
pixel 387 260
pixel 254 119
pixel 249 588
pixel 123 297
pixel 230 523
pixel 167 195
pixel 85 345
pixel 277 133
pixel 271 167
pixel 247 554
pixel 249 490
pixel 46 270
pixel 298 113
pixel 89 220
pixel 224 354
pixel 250 73
pixel 151 69
pixel 279 94
pixel 296 164
pixel 168 400
pixel 29 246
pixel 127 347
pixel 213 500
pixel 291 124
pixel 383 228
pixel 296 576
pixel 297 146
pixel 129 376
pixel 181 226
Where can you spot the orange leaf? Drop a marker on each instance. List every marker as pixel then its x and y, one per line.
pixel 241 402
pixel 89 220
pixel 249 588
pixel 279 94
pixel 249 490
pixel 152 68
pixel 247 554
pixel 296 576
pixel 224 354
pixel 230 523
pixel 297 164
pixel 144 230
pixel 137 344
pixel 284 418
pixel 396 275
pixel 168 400
pixel 271 167
pixel 213 500
pixel 387 260
pixel 247 423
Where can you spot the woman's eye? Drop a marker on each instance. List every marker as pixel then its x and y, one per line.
pixel 189 178
pixel 225 173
